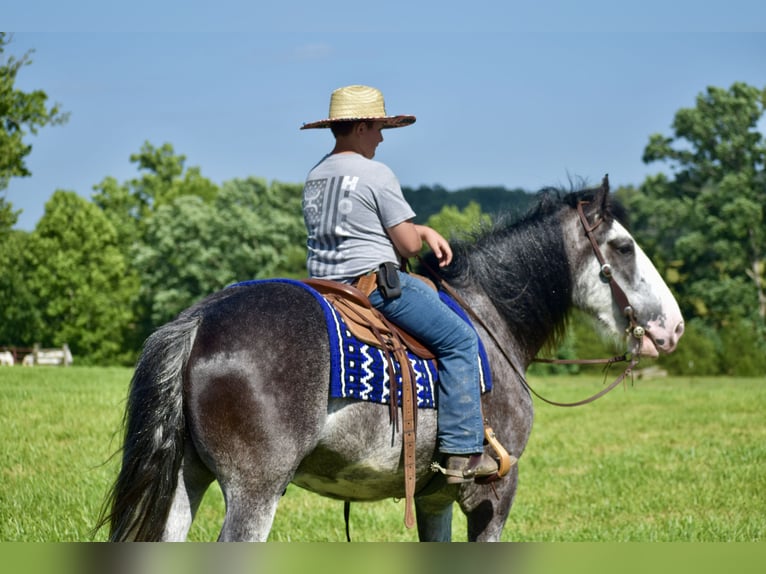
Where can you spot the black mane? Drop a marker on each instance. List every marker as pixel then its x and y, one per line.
pixel 522 266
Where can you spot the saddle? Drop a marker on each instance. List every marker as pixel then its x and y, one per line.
pixel 370 326
pixel 364 321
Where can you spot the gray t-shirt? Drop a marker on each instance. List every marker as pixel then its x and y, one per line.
pixel 348 203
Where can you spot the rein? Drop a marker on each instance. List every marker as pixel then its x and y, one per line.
pixel 610 361
pixel 619 296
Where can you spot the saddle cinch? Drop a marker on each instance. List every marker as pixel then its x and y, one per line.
pixel 369 325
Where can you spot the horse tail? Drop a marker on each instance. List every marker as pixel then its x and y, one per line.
pixel 139 502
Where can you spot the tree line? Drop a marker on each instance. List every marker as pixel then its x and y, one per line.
pixel 100 274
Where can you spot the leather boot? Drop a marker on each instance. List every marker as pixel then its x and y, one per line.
pixel 467 467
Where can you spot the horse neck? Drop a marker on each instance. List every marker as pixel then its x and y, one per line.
pixel 525 273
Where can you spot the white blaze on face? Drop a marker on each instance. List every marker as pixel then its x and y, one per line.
pixel 656 309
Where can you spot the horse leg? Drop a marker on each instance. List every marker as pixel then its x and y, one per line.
pixel 249 514
pixel 256 400
pixel 253 441
pixel 434 517
pixel 254 454
pixel 193 481
pixel 486 511
pixel 253 438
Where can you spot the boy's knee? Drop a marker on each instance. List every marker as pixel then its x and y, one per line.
pixel 469 340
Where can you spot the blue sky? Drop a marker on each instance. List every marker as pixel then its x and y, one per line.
pixel 505 93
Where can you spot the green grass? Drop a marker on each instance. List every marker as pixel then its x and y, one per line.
pixel 674 459
pixel 665 460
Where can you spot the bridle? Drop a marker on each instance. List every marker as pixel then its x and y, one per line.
pixel 606 274
pixel 619 296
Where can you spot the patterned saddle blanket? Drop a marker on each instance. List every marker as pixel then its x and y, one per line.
pixel 358 370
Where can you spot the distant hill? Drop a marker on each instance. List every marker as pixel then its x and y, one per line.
pixel 428 200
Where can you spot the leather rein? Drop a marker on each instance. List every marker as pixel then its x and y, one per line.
pixel 620 298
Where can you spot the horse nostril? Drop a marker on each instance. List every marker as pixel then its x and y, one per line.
pixel 677 333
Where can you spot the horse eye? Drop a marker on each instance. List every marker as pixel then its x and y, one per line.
pixel 623 246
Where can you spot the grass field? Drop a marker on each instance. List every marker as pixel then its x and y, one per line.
pixel 673 459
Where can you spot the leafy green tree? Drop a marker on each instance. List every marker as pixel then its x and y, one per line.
pixel 180 259
pixel 21 318
pixel 251 231
pixel 704 226
pixel 712 232
pixel 8 216
pixel 163 179
pixel 166 178
pixel 262 228
pixel 130 207
pixel 453 222
pixel 21 114
pixel 122 208
pixel 76 273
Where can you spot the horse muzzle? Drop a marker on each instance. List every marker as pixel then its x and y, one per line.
pixel 656 339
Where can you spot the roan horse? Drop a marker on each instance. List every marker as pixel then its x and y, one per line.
pixel 227 392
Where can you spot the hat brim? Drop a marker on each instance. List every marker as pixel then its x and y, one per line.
pixel 388 122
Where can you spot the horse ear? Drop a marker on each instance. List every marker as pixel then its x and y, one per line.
pixel 598 208
pixel 602 197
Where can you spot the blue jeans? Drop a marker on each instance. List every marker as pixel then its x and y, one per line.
pixel 455 344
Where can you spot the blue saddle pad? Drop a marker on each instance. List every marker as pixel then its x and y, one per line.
pixel 358 370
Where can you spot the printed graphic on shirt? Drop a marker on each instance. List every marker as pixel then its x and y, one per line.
pixel 313 193
pixel 326 207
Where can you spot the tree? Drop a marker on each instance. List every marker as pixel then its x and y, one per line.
pixel 131 206
pixel 21 319
pixel 262 228
pixel 164 178
pixel 193 248
pixel 20 114
pixel 704 225
pixel 452 222
pixel 713 228
pixel 78 277
pixel 180 260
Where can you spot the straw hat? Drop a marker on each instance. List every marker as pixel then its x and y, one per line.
pixel 359 103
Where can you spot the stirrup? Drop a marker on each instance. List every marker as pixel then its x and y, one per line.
pixel 506 461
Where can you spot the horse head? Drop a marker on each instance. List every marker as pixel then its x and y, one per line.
pixel 616 282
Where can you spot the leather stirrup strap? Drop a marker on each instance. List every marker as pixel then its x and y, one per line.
pixel 409 418
pixel 409 421
pixel 409 436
